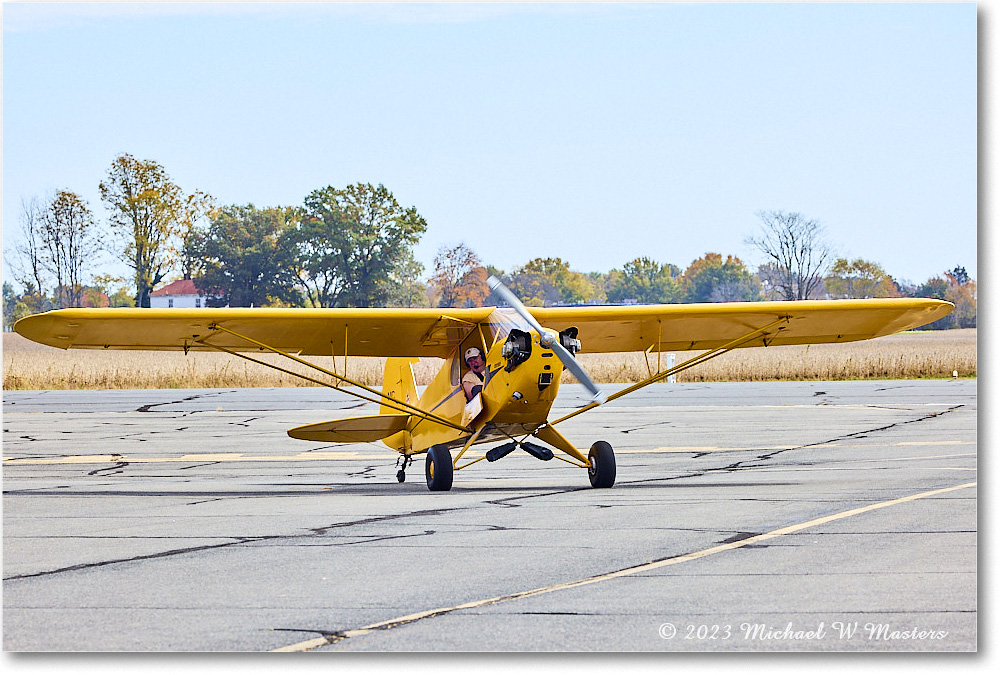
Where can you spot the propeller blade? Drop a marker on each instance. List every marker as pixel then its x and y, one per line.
pixel 549 340
pixel 508 296
pixel 572 365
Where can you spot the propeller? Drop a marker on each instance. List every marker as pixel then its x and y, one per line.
pixel 548 340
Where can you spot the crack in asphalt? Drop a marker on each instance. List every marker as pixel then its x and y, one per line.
pixel 239 541
pixel 754 462
pixel 195 397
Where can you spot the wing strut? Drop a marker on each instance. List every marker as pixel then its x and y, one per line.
pixel 382 398
pixel 690 363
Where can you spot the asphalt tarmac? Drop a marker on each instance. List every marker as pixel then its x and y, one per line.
pixel 811 516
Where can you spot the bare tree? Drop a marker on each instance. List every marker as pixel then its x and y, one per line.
pixel 797 254
pixel 29 266
pixel 59 244
pixel 71 244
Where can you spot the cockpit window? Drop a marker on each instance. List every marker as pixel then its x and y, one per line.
pixel 503 320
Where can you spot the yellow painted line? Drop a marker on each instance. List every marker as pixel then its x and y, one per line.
pixel 713 448
pixel 857 468
pixel 646 567
pixel 353 454
pixel 220 457
pixel 936 443
pixel 211 457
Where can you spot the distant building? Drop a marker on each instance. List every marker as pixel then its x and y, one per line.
pixel 94 298
pixel 181 293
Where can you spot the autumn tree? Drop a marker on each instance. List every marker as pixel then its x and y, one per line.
pixel 246 256
pixel 459 277
pixel 859 279
pixel 958 288
pixel 646 281
pixel 795 251
pixel 116 288
pixel 962 292
pixel 710 279
pixel 550 281
pixel 533 289
pixel 149 214
pixel 351 244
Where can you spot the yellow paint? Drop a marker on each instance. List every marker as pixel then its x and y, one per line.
pixel 428 332
pixel 224 457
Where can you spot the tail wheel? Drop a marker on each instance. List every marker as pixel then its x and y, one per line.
pixel 602 465
pixel 439 469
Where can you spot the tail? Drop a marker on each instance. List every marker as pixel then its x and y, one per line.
pixel 398 383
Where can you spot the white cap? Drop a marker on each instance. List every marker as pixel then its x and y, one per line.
pixel 472 351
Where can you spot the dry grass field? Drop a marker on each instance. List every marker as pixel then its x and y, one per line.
pixel 930 354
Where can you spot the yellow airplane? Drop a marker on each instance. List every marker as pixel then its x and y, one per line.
pixel 526 351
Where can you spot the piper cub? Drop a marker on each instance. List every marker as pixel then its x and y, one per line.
pixel 502 366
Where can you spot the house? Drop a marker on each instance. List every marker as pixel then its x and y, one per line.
pixel 181 293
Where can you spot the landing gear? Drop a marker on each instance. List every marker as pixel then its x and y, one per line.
pixel 439 469
pixel 602 465
pixel 406 460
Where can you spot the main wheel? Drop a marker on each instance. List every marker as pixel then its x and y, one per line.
pixel 439 469
pixel 602 465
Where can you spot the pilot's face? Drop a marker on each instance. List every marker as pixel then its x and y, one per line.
pixel 477 363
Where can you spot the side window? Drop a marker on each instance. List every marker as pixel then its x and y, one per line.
pixel 456 370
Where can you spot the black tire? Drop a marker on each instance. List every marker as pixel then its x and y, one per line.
pixel 439 469
pixel 602 465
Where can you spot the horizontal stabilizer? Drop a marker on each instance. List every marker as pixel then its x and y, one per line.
pixel 352 429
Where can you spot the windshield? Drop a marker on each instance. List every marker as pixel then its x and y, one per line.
pixel 503 320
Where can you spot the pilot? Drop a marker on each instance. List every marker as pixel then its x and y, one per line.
pixel 477 376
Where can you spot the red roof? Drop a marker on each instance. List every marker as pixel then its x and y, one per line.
pixel 180 287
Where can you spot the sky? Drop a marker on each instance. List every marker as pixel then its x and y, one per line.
pixel 595 133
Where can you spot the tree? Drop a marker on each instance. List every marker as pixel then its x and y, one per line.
pixel 148 215
pixel 10 303
pixel 70 245
pixel 246 256
pixel 459 277
pixel 859 279
pixel 959 275
pixel 646 281
pixel 352 243
pixel 29 267
pixel 709 279
pixel 796 254
pixel 571 288
pixel 59 244
pixel 958 288
pixel 116 288
pixel 532 289
pixel 405 287
pixel 962 293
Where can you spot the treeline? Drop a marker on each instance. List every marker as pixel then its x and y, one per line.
pixel 353 247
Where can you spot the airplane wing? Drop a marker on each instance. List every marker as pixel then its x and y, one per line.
pixel 306 332
pixel 710 325
pixel 435 332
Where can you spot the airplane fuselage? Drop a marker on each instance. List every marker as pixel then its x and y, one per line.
pixel 515 400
